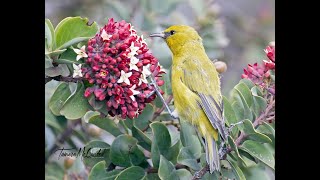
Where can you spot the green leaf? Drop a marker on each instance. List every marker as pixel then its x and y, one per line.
pixel 256 91
pixel 53 171
pixel 184 174
pixel 230 116
pixel 66 61
pixel 236 170
pixel 143 140
pixel 243 105
pixel 59 97
pixel 189 138
pixel 76 105
pixel 152 176
pixel 125 152
pixel 89 115
pixel 61 69
pixel 253 134
pixel 266 129
pixel 134 173
pixel 55 52
pixel 166 168
pixel 239 112
pixel 185 157
pixel 235 148
pixel 49 34
pixel 106 124
pixel 72 30
pixel 247 82
pixel 142 121
pixel 257 172
pixel 91 155
pixel 51 120
pixel 260 104
pixel 245 92
pixel 173 152
pixel 99 172
pixel 161 141
pixel 212 176
pixel 258 151
pixel 74 41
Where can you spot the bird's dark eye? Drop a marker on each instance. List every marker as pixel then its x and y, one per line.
pixel 172 32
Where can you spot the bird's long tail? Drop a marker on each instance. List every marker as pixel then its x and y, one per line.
pixel 212 153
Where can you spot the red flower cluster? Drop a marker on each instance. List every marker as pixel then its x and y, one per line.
pixel 118 65
pixel 258 73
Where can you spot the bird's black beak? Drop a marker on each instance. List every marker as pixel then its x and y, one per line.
pixel 162 35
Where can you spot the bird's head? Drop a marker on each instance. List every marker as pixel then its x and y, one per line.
pixel 178 36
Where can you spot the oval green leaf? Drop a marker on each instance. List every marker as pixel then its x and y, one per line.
pixel 236 170
pixel 76 105
pixel 134 173
pixel 235 148
pixel 94 152
pixel 253 134
pixel 59 97
pixel 184 174
pixel 49 34
pixel 99 172
pixel 125 152
pixel 142 121
pixel 89 115
pixel 190 139
pixel 245 92
pixel 73 30
pixel 165 168
pixel 230 116
pixel 106 124
pixel 258 151
pixel 161 142
pixel 185 157
pixel 143 140
pixel 247 82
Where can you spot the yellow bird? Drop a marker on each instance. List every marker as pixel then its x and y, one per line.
pixel 196 88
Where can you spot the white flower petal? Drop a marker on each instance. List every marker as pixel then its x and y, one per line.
pixel 77 51
pixel 120 80
pixel 127 81
pixel 83 48
pixel 133 98
pixel 79 57
pixel 74 66
pixel 105 36
pixel 128 74
pixel 146 70
pixel 133 67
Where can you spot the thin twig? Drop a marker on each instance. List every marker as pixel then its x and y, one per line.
pixel 201 173
pixel 64 136
pixel 64 79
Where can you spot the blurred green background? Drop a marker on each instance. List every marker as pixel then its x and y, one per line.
pixel 235 32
